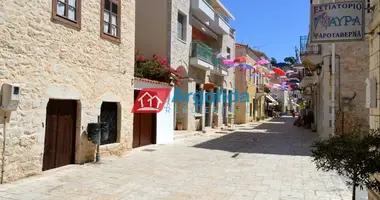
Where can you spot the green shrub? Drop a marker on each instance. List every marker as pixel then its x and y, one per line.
pixel 354 154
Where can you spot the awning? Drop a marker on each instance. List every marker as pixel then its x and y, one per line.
pixel 270 98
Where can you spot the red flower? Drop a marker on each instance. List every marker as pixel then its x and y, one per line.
pixel 179 70
pixel 155 57
pixel 163 61
pixel 141 58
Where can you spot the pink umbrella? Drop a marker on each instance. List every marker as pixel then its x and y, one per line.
pixel 268 86
pixel 228 62
pixel 262 62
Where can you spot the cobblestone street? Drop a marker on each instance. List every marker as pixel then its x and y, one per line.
pixel 269 162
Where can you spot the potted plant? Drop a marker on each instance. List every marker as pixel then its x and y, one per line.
pixel 179 124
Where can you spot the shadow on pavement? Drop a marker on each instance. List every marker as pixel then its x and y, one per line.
pixel 277 136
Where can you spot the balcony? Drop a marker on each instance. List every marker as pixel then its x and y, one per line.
pixel 203 10
pixel 220 25
pixel 204 57
pixel 310 52
pixel 260 91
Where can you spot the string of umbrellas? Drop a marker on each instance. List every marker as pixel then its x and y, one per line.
pixel 276 72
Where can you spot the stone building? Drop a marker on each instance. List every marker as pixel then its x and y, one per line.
pixel 191 35
pixel 374 75
pixel 71 69
pixel 246 81
pixel 352 68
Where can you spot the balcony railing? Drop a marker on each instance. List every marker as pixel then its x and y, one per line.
pixel 207 54
pixel 307 48
pixel 203 52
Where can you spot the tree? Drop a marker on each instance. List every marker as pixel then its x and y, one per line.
pixel 354 154
pixel 290 59
pixel 273 61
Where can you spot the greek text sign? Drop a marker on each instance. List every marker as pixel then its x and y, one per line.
pixel 337 22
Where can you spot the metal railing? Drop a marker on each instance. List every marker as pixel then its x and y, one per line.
pixel 307 48
pixel 207 54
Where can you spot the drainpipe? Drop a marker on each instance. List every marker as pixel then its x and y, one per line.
pixel 333 86
pixel 3 151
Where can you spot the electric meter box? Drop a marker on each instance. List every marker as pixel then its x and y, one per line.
pixel 10 97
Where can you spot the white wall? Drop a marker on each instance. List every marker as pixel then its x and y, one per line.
pixel 165 118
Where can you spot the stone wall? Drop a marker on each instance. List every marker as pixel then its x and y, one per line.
pixel 179 52
pixel 352 68
pixel 50 60
pixel 374 72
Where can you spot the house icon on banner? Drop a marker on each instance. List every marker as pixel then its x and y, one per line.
pixel 152 102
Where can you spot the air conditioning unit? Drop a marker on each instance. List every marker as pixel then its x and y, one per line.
pixel 10 97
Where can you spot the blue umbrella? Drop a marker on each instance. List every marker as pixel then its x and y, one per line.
pixel 245 66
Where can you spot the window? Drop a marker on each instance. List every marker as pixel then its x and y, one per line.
pixel 229 53
pixel 110 116
pixel 181 26
pixel 67 12
pixel 110 20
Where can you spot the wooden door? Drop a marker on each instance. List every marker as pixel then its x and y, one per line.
pixel 60 133
pixel 144 128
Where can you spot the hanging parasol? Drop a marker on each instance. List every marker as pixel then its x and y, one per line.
pixel 222 55
pixel 267 76
pixel 256 71
pixel 245 66
pixel 279 71
pixel 268 86
pixel 228 62
pixel 289 71
pixel 262 62
pixel 241 59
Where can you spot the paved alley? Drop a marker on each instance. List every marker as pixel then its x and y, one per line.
pixel 257 162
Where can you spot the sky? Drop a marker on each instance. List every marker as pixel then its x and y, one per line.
pixel 273 26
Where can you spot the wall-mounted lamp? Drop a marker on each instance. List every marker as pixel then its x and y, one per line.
pixel 346 101
pixel 319 69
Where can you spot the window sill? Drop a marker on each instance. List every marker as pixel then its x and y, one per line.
pixel 66 22
pixel 183 41
pixel 113 39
